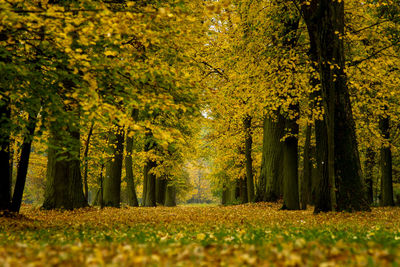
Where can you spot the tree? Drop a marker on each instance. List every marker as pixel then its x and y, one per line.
pixel 131 188
pixel 249 160
pixel 369 170
pixel 325 24
pixel 22 168
pixel 149 181
pixel 112 181
pixel 270 182
pixel 386 165
pixel 306 178
pixel 63 178
pixel 5 182
pixel 290 163
pixel 170 195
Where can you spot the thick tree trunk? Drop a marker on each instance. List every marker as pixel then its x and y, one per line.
pixel 225 195
pixel 149 176
pixel 325 23
pixel 305 184
pixel 290 164
pixel 22 169
pixel 161 187
pixel 321 194
pixel 96 201
pixel 5 184
pixel 170 195
pixel 322 199
pixel 386 166
pixel 112 181
pixel 249 160
pixel 369 173
pixel 243 190
pixel 86 160
pixel 150 179
pixel 270 182
pixel 131 189
pixel 63 180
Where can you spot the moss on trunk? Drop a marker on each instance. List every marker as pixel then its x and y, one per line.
pixel 270 182
pixel 63 179
pixel 170 195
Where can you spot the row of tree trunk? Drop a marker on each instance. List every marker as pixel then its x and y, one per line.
pixel 338 184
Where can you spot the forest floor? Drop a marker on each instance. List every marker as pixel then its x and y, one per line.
pixel 253 234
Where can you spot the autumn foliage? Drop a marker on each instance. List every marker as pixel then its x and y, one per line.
pixel 261 115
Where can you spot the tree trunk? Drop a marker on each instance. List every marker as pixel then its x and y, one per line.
pixel 149 176
pixel 101 196
pixel 369 173
pixel 225 195
pixel 161 187
pixel 85 158
pixel 290 164
pixel 23 164
pixel 270 182
pixel 12 142
pixel 314 174
pixel 112 181
pixel 243 190
pixel 305 184
pixel 63 179
pixel 386 166
pixel 322 199
pixel 325 23
pixel 5 184
pixel 170 195
pixel 150 179
pixel 144 193
pixel 131 189
pixel 249 160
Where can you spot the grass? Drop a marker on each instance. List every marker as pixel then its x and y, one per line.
pixel 254 234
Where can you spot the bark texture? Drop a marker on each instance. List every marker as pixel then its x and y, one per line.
pixel 161 187
pixel 63 179
pixel 150 179
pixel 305 183
pixel 149 176
pixel 325 23
pixel 270 182
pixel 369 173
pixel 170 195
pixel 22 168
pixel 386 166
pixel 290 163
pixel 112 181
pixel 130 181
pixel 5 183
pixel 249 160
